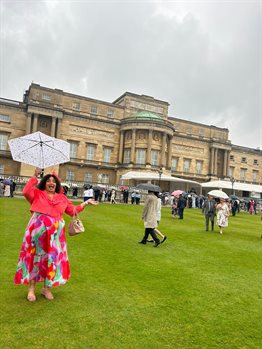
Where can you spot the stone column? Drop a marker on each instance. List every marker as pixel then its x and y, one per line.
pixel 211 162
pixel 215 162
pixel 163 153
pixel 35 122
pixel 53 127
pixel 225 163
pixel 169 152
pixel 228 161
pixel 28 123
pixel 133 146
pixel 121 143
pixel 149 147
pixel 58 128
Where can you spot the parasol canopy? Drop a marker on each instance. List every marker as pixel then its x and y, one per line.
pixel 218 194
pixel 39 150
pixel 63 184
pixel 7 181
pixel 177 192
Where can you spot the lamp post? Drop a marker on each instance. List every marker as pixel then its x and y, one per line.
pixel 232 180
pixel 160 172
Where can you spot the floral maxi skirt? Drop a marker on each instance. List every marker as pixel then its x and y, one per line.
pixel 43 255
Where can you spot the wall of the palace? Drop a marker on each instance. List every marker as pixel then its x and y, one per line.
pixel 189 128
pixel 185 149
pixel 245 164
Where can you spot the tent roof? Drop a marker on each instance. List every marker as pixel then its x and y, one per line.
pixel 228 185
pixel 219 184
pixel 155 176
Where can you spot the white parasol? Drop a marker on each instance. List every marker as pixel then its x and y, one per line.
pixel 218 194
pixel 38 149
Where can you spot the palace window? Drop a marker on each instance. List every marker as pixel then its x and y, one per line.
pixel 174 163
pixel 107 154
pixel 46 97
pixel 154 157
pixel 90 153
pixel 231 171
pixel 140 156
pixel 186 166
pixel 103 178
pixel 254 176
pixel 255 162
pixel 243 172
pixel 73 150
pixel 201 132
pixel 199 165
pixel 76 106
pixel 43 123
pixel 127 156
pixel 2 169
pixel 231 157
pixel 70 176
pixel 110 113
pixel 243 159
pixel 5 118
pixel 3 141
pixel 88 178
pixel 93 109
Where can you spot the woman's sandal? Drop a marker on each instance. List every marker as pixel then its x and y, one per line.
pixel 47 294
pixel 31 297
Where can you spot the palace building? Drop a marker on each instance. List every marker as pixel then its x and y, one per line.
pixel 132 133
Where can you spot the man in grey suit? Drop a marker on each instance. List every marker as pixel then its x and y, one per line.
pixel 209 209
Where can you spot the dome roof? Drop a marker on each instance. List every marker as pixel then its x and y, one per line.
pixel 146 114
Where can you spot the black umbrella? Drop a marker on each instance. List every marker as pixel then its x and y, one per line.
pixel 149 187
pixel 97 187
pixel 233 197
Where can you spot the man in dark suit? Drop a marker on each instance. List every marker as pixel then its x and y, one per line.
pixel 181 204
pixel 209 209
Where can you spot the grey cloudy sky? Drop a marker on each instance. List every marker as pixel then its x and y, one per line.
pixel 203 57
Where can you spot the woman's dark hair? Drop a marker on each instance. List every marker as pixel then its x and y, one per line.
pixel 42 183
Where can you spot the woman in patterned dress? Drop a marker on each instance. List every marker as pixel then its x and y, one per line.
pixel 222 215
pixel 43 256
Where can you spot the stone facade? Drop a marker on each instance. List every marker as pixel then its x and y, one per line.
pixel 132 133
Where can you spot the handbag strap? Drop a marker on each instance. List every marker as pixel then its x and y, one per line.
pixel 75 215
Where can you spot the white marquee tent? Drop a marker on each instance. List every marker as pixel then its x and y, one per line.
pixel 154 176
pixel 220 184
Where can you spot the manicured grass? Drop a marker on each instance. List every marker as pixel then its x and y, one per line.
pixel 197 290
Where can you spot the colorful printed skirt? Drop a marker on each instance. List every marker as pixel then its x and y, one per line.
pixel 43 255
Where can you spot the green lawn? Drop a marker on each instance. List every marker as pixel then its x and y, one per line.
pixel 197 290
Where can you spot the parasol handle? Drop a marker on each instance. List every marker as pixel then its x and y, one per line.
pixel 38 172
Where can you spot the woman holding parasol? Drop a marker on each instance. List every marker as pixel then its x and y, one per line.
pixel 43 256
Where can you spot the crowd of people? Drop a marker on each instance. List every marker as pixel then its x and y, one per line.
pixel 126 195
